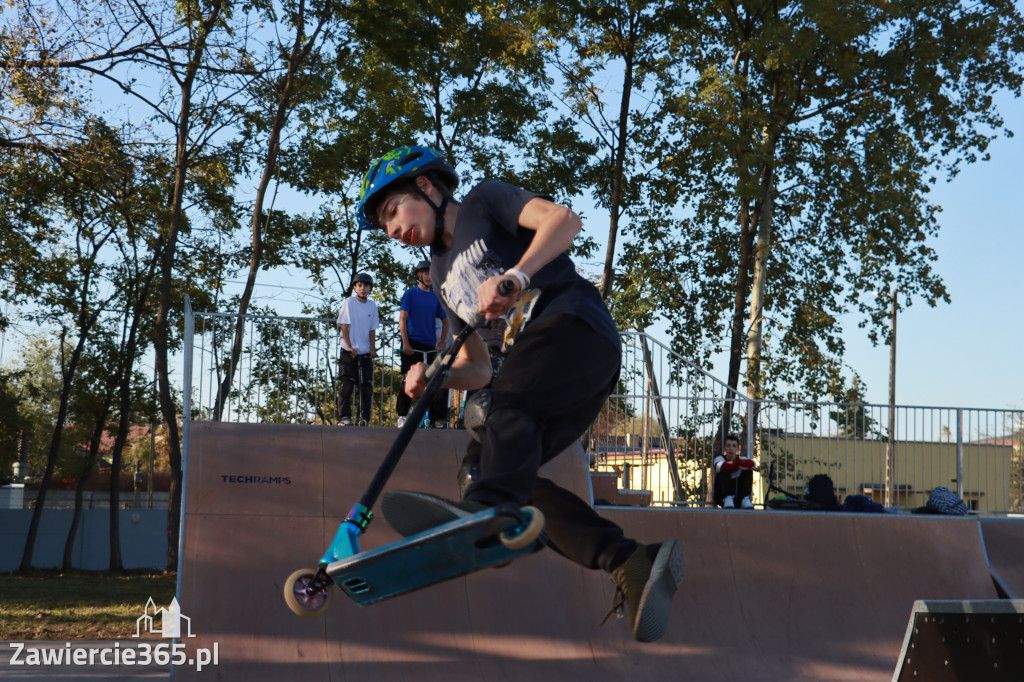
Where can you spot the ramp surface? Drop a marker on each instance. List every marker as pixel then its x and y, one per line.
pixel 1004 545
pixel 767 595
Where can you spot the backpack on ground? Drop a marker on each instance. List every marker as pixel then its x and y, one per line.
pixel 821 494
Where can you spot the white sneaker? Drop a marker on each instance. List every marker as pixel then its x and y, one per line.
pixel 345 421
pixel 401 422
pixel 729 502
pixel 745 503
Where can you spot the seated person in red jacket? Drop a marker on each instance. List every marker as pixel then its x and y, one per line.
pixel 734 476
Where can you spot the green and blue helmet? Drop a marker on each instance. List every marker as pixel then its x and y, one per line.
pixel 402 162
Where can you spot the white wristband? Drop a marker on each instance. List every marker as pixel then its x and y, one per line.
pixel 521 277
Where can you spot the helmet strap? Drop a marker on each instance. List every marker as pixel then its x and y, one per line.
pixel 439 211
pixel 438 242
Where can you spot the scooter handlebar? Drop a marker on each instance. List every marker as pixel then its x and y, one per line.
pixel 445 359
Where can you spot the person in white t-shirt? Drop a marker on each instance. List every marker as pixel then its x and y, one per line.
pixel 357 323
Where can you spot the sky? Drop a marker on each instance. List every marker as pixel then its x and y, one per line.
pixel 965 353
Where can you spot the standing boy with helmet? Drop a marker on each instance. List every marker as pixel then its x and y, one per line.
pixel 563 354
pixel 358 323
pixel 417 323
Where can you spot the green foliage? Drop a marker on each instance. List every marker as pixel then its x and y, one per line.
pixel 845 114
pixel 35 385
pixel 11 423
pixel 850 415
pixel 615 62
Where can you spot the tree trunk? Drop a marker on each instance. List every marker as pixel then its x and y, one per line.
pixel 161 344
pixel 618 170
pixel 128 359
pixel 116 565
pixel 747 232
pixel 85 324
pixel 296 57
pixel 94 450
pixel 44 486
pixel 761 255
pixel 736 342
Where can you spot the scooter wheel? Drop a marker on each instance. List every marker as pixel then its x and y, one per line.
pixel 520 538
pixel 302 603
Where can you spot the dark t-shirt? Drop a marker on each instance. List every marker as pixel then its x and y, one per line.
pixel 487 241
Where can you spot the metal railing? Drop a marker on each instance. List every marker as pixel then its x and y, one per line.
pixel 288 370
pixel 659 431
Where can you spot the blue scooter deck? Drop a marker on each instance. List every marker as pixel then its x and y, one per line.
pixel 442 553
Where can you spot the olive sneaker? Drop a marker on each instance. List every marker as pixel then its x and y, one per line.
pixel 644 584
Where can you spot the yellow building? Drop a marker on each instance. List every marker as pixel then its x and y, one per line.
pixel 991 470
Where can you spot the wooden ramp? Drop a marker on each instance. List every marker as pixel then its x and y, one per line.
pixel 767 596
pixel 1004 545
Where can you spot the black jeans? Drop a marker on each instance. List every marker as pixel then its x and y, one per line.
pixel 739 487
pixel 551 388
pixel 355 371
pixel 439 405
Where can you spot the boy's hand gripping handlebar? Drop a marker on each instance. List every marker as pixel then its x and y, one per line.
pixel 444 360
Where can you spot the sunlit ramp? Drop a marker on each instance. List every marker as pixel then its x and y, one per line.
pixel 980 641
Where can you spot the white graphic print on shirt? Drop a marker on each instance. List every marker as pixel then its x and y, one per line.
pixel 468 271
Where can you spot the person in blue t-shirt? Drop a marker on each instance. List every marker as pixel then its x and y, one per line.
pixel 562 357
pixel 417 321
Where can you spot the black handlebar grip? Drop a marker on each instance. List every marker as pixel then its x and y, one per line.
pixel 506 287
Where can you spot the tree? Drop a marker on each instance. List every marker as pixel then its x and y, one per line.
pixel 808 142
pixel 184 49
pixel 850 413
pixel 282 89
pixel 88 278
pixel 94 400
pixel 138 209
pixel 70 295
pixel 44 107
pixel 11 424
pixel 470 88
pixel 593 43
pixel 194 76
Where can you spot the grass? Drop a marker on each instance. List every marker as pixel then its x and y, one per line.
pixel 62 605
